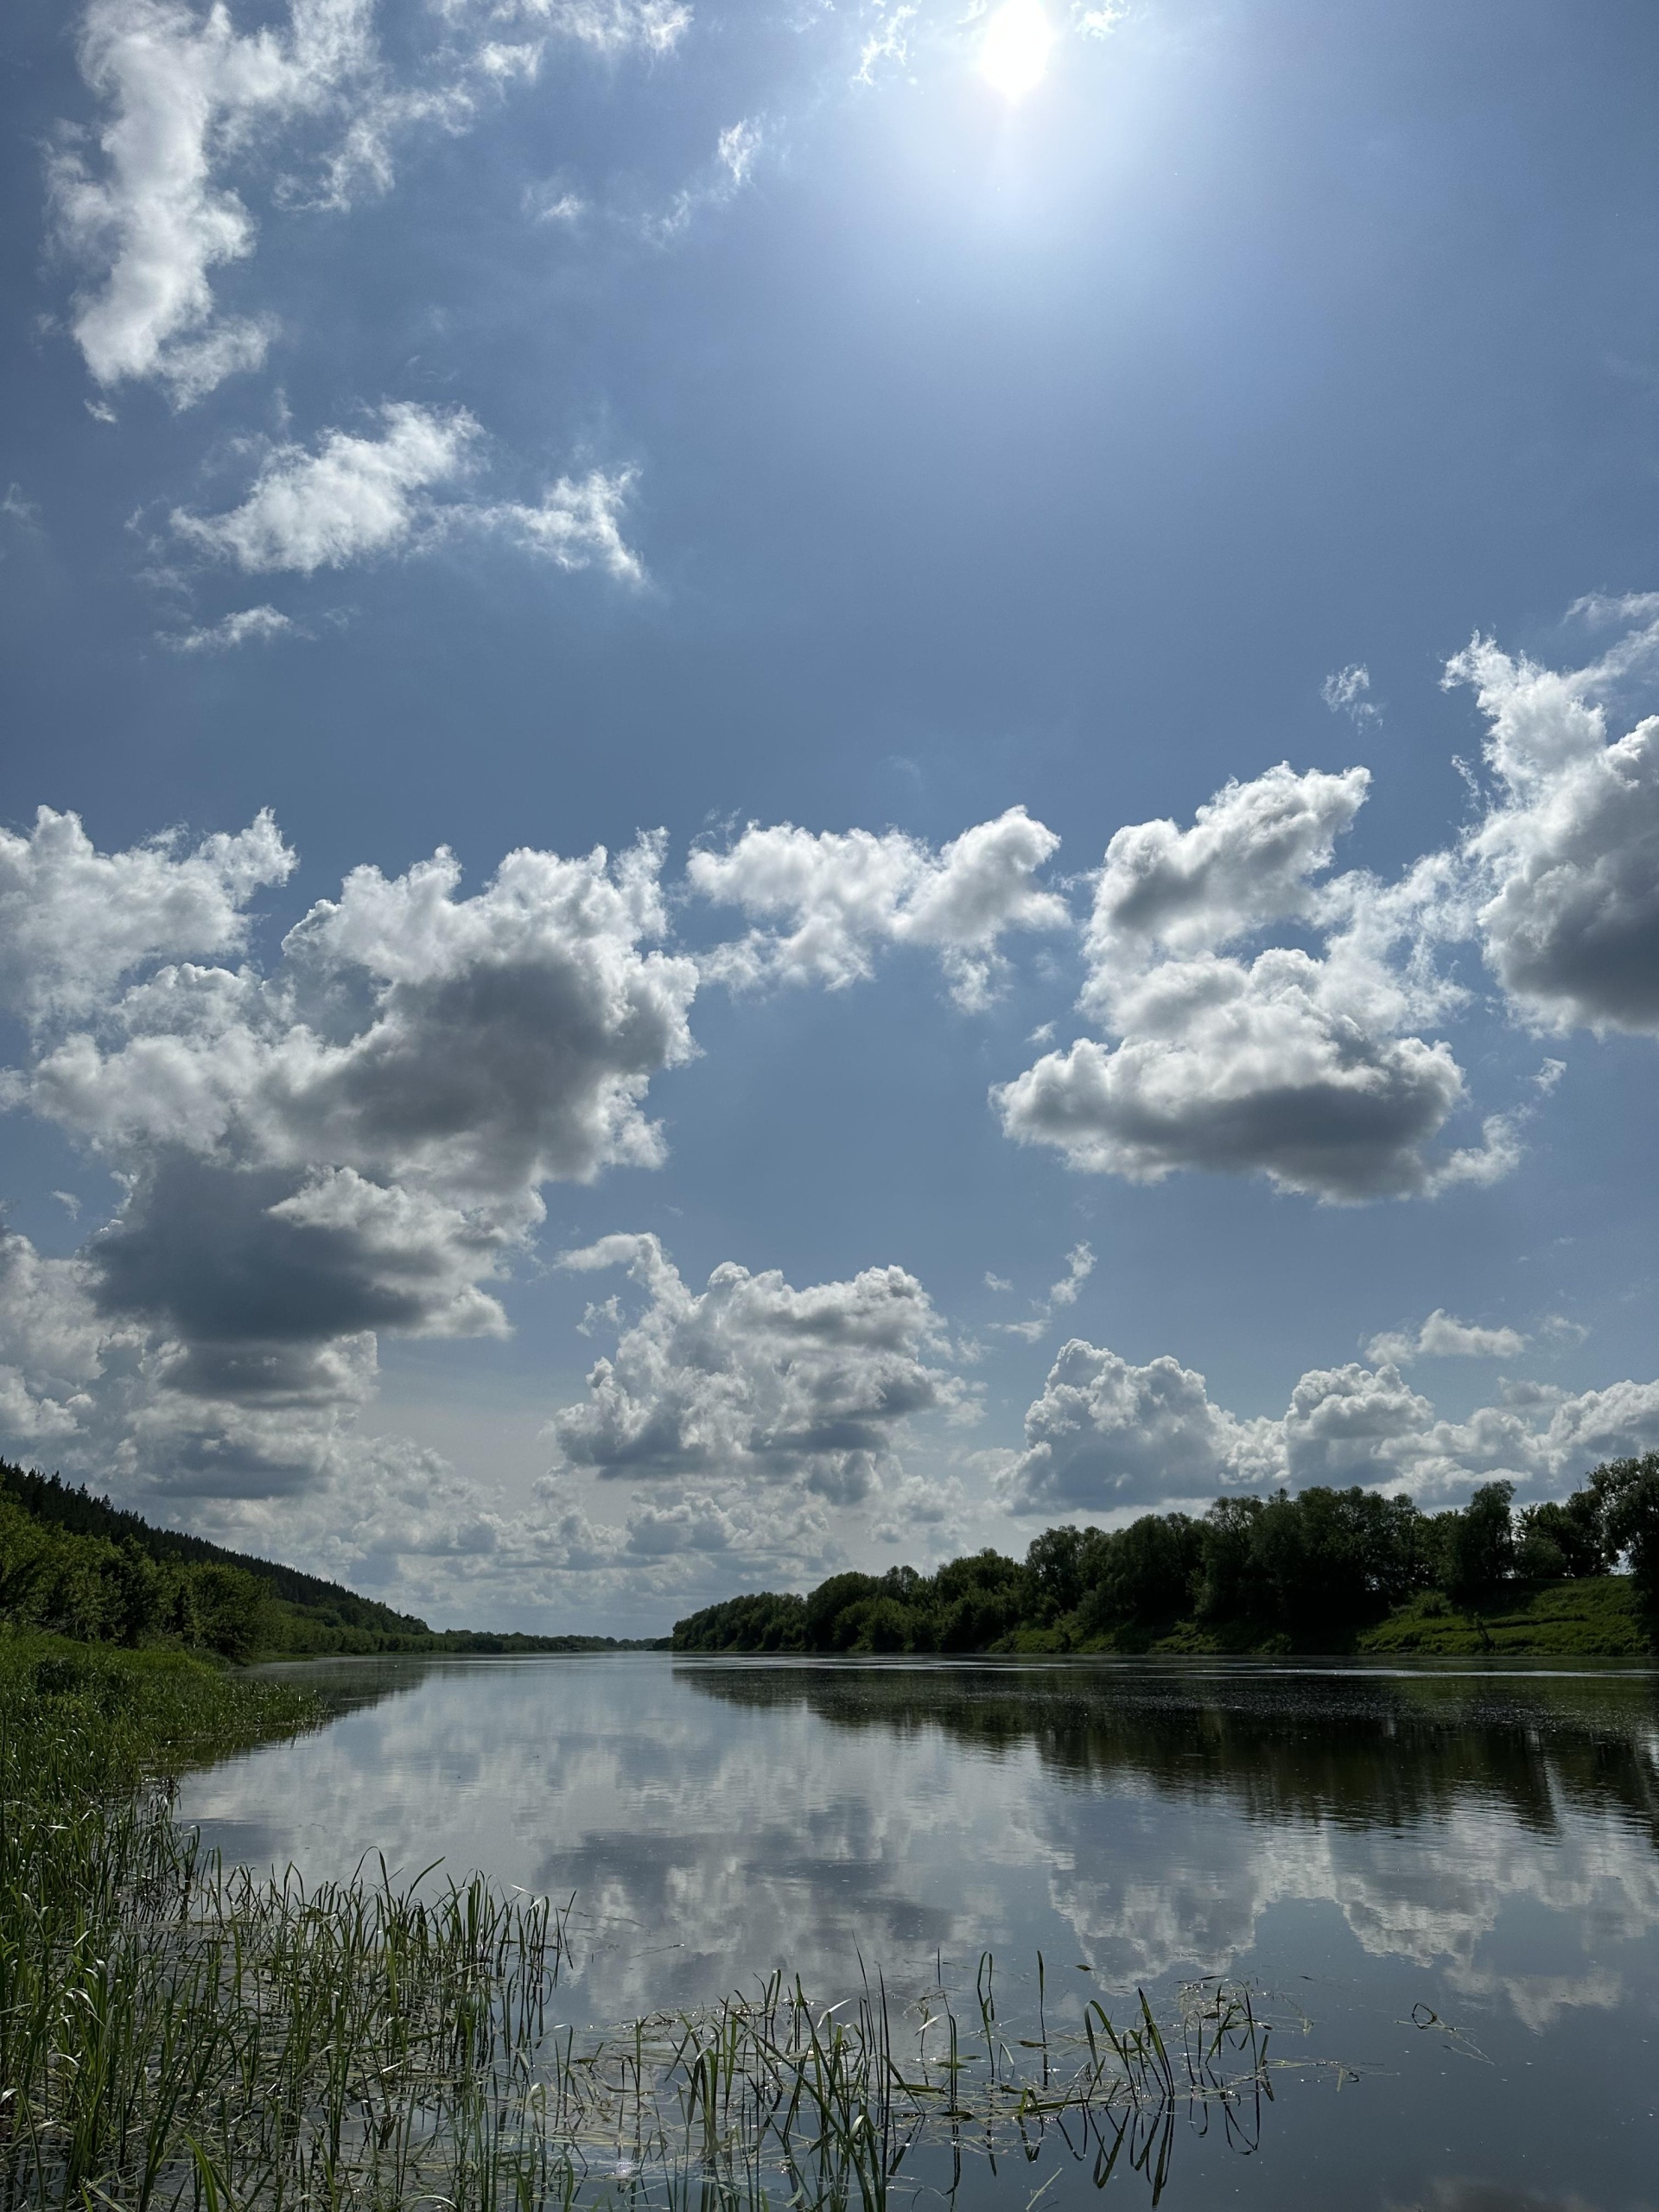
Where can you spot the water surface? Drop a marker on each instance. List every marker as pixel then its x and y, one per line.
pixel 1449 1874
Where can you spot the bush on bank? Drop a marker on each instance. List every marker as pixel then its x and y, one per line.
pixel 1308 1572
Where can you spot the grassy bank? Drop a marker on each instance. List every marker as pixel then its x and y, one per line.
pixel 1597 1618
pixel 172 2034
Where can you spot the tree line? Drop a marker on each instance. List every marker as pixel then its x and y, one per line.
pixel 75 1564
pixel 1292 1571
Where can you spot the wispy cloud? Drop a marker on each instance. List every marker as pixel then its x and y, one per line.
pixel 1348 692
pixel 1079 1266
pixel 248 625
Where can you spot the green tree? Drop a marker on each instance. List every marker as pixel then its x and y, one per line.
pixel 1144 1574
pixel 1229 1587
pixel 1629 1492
pixel 1483 1543
pixel 1054 1571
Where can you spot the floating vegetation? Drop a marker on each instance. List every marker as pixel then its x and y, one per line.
pixel 174 2034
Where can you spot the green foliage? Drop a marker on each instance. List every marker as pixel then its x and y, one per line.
pixel 763 1623
pixel 97 1591
pixel 1481 1557
pixel 1320 1571
pixel 1585 1617
pixel 1139 1575
pixel 80 1567
pixel 57 1504
pixel 1628 1493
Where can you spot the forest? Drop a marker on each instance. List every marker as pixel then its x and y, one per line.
pixel 1308 1572
pixel 72 1564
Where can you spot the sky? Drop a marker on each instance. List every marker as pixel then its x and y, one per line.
pixel 792 785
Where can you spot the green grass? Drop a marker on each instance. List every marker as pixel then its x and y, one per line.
pixel 1595 1618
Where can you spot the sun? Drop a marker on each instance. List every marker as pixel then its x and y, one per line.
pixel 1015 56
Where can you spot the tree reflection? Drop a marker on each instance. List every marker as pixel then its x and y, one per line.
pixel 1364 1749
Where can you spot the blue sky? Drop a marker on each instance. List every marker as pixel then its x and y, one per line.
pixel 508 431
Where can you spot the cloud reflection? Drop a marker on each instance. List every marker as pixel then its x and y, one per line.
pixel 712 1822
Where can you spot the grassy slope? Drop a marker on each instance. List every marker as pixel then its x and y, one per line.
pixel 1596 1619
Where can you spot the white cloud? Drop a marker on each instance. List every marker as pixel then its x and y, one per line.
pixel 1079 1266
pixel 357 496
pixel 22 513
pixel 578 523
pixel 926 1515
pixel 188 104
pixel 842 894
pixel 183 93
pixel 755 1381
pixel 482 1045
pixel 355 1142
pixel 73 921
pixel 738 148
pixel 1442 1336
pixel 1565 863
pixel 889 42
pixel 736 151
pixel 1295 1065
pixel 354 496
pixel 1346 693
pixel 609 27
pixel 1104 1433
pixel 52 1342
pixel 1248 860
pixel 249 625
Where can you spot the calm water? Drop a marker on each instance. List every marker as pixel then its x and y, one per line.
pixel 1474 1851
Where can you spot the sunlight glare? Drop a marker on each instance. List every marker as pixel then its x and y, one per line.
pixel 1015 56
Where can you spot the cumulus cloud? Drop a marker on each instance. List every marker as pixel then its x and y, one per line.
pixel 838 895
pixel 1295 1065
pixel 755 1380
pixel 73 921
pixel 1442 1336
pixel 191 109
pixel 1565 861
pixel 183 93
pixel 353 1142
pixel 51 1344
pixel 1105 1433
pixel 354 496
pixel 357 496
